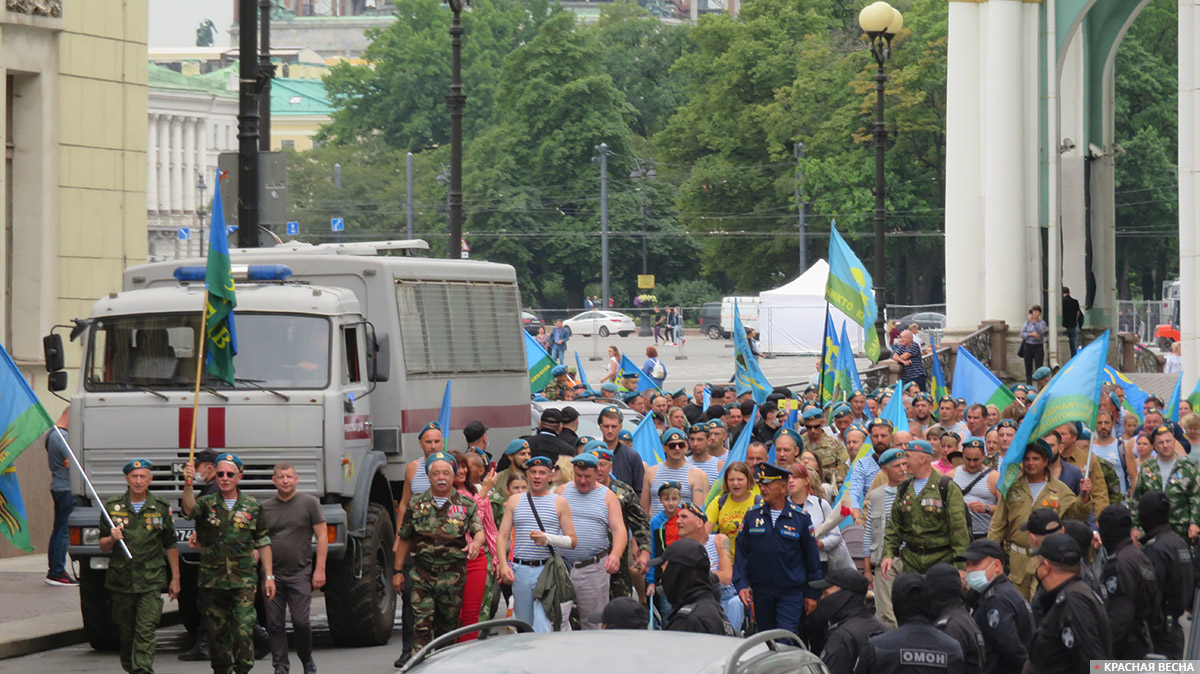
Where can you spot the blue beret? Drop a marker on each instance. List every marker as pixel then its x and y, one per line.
pixel 1160 429
pixel 625 436
pixel 515 446
pixel 952 434
pixel 440 456
pixel 229 457
pixel 879 421
pixel 602 452
pixel 1041 446
pixel 596 446
pixel 890 456
pixel 1020 388
pixel 585 440
pixel 960 401
pixel 1008 423
pixel 539 461
pixel 1116 402
pixel 431 426
pixel 586 460
pixel 147 464
pixel 539 398
pixel 612 410
pixel 694 509
pixel 857 427
pixel 975 442
pixel 631 396
pixel 789 433
pixel 840 410
pixel 669 484
pixel 811 413
pixel 857 393
pixel 919 446
pixel 698 428
pixel 1082 431
pixel 925 397
pixel 715 423
pixel 558 370
pixel 946 399
pixel 673 434
pixel 769 472
pixel 1041 373
pixel 486 456
pixel 609 387
pixel 676 394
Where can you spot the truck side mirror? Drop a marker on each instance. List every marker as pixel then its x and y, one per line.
pixel 52 350
pixel 379 359
pixel 57 381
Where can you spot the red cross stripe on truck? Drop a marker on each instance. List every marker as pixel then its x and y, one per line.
pixel 216 427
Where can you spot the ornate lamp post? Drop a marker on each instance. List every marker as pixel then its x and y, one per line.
pixel 880 21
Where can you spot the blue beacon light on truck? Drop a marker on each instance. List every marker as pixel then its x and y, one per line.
pixel 254 272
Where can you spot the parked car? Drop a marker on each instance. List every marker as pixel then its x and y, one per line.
pixel 622 651
pixel 589 414
pixel 927 320
pixel 603 323
pixel 531 322
pixel 747 308
pixel 710 320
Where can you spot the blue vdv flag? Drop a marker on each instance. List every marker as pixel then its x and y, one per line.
pixel 647 443
pixel 748 376
pixel 1071 395
pixel 707 399
pixel 645 383
pixel 582 375
pixel 894 411
pixel 444 414
pixel 975 383
pixel 848 379
pixel 1173 404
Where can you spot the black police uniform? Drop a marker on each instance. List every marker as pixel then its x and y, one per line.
pixel 916 647
pixel 548 444
pixel 1073 631
pixel 945 594
pixel 851 626
pixel 1172 562
pixel 1128 577
pixel 1003 617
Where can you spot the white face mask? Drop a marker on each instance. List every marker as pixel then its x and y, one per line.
pixel 977 580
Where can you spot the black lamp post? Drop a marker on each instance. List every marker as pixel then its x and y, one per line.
pixel 880 21
pixel 455 101
pixel 644 171
pixel 201 210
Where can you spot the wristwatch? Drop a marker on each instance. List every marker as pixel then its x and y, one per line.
pixel 270 577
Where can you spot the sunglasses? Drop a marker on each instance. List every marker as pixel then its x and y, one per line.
pixel 812 426
pixel 221 473
pixel 677 445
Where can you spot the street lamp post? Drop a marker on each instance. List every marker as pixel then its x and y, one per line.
pixel 201 209
pixel 880 21
pixel 455 101
pixel 644 171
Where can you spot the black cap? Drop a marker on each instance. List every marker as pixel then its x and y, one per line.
pixel 1154 509
pixel 1059 548
pixel 569 414
pixel 551 415
pixel 982 548
pixel 474 430
pixel 846 579
pixel 622 613
pixel 206 456
pixel 1115 517
pixel 1079 531
pixel 684 551
pixel 911 591
pixel 1043 521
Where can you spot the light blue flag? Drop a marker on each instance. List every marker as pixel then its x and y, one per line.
pixel 582 375
pixel 736 453
pixel 975 383
pixel 748 376
pixel 1071 395
pixel 539 362
pixel 894 411
pixel 938 385
pixel 707 399
pixel 1173 404
pixel 647 443
pixel 831 347
pixel 848 379
pixel 849 288
pixel 645 383
pixel 1135 397
pixel 444 414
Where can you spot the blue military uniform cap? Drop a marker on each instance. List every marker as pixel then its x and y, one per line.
pixel 539 398
pixel 715 423
pixel 1042 372
pixel 698 428
pixel 558 370
pixel 673 434
pixel 879 421
pixel 141 463
pixel 539 461
pixel 440 456
pixel 676 394
pixel 1042 447
pixel 840 410
pixel 431 426
pixel 586 460
pixel 482 453
pixel 229 457
pixel 694 509
pixel 1020 388
pixel 974 442
pixel 769 472
pixel 811 413
pixel 890 456
pixel 789 433
pixel 596 446
pixel 1160 429
pixel 611 409
pixel 631 396
pixel 945 399
pixel 625 436
pixel 952 434
pixel 1008 423
pixel 919 446
pixel 609 387
pixel 857 427
pixel 601 452
pixel 923 397
pixel 515 446
pixel 584 440
pixel 857 392
pixel 669 484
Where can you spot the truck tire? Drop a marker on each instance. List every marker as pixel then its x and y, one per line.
pixel 189 610
pixel 95 604
pixel 362 607
pixel 714 332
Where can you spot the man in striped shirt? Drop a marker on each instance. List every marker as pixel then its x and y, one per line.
pixel 596 512
pixel 878 513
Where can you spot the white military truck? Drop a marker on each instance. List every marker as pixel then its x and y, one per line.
pixel 344 351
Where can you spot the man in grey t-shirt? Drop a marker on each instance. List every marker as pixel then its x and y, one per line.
pixel 293 519
pixel 64 503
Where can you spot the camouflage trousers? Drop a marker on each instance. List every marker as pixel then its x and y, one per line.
pixel 137 615
pixel 437 594
pixel 620 584
pixel 230 617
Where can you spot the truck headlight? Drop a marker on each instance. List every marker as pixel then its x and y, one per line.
pixel 91 536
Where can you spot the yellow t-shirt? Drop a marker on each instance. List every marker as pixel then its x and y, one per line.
pixel 728 519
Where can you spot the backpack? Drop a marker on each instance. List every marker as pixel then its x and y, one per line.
pixel 658 371
pixel 944 488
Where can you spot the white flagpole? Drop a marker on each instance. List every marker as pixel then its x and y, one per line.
pixel 91 488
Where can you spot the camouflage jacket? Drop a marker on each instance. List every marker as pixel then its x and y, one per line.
pixel 148 534
pixel 925 524
pixel 631 510
pixel 228 538
pixel 1183 488
pixel 835 461
pixel 438 534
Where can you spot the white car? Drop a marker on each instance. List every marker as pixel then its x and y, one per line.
pixel 603 323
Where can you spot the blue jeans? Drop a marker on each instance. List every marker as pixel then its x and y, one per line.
pixel 64 503
pixel 1073 341
pixel 558 351
pixel 525 607
pixel 735 610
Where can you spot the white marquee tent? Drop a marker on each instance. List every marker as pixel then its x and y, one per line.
pixel 791 318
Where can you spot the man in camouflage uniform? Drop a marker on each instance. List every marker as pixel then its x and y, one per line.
pixel 143 521
pixel 930 521
pixel 556 389
pixel 1182 484
pixel 437 526
pixel 829 450
pixel 636 523
pixel 1008 527
pixel 229 527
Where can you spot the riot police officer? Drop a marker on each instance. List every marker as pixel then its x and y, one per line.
pixel 1001 612
pixel 916 646
pixel 1172 562
pixel 1128 579
pixel 1074 630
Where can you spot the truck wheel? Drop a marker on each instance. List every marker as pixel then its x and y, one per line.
pixel 189 610
pixel 714 332
pixel 603 331
pixel 362 606
pixel 95 604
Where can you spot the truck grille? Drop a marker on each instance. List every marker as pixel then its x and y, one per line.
pixel 104 467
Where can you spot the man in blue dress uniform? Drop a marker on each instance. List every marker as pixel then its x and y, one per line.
pixel 777 556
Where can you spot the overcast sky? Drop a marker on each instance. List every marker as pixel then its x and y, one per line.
pixel 173 23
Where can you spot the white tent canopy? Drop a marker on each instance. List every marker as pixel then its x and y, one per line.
pixel 791 318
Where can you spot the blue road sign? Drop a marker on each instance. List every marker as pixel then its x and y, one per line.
pixel 293 228
pixel 337 224
pixel 184 234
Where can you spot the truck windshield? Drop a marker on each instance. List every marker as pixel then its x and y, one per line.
pixel 158 351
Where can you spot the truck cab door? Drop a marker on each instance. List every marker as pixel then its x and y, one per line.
pixel 356 418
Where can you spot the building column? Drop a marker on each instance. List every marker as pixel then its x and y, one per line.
pixel 1072 181
pixel 202 154
pixel 1004 170
pixel 176 164
pixel 965 288
pixel 164 164
pixel 152 165
pixel 189 165
pixel 1189 180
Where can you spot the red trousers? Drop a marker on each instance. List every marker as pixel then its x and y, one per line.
pixel 473 592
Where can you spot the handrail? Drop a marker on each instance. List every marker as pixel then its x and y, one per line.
pixel 485 630
pixel 769 637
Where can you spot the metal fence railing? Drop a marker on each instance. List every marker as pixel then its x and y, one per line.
pixel 1140 317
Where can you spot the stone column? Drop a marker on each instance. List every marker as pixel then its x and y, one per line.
pixel 189 166
pixel 202 155
pixel 1003 169
pixel 1189 180
pixel 152 165
pixel 176 164
pixel 164 164
pixel 965 258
